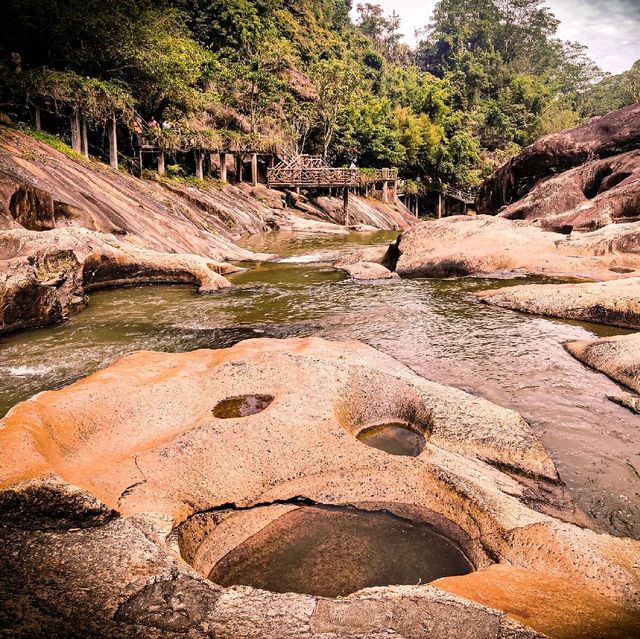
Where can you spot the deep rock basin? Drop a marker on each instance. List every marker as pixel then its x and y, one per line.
pixel 395 438
pixel 333 551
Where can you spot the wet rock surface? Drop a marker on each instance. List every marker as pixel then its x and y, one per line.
pixel 615 303
pixel 605 137
pixel 368 271
pixel 43 275
pixel 461 246
pixel 160 476
pixel 618 357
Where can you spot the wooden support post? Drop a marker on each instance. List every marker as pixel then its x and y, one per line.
pixel 254 169
pixel 112 133
pixel 161 163
pixel 76 135
pixel 84 139
pixel 417 211
pixel 239 167
pixel 385 186
pixel 38 118
pixel 199 165
pixel 345 205
pixel 465 208
pixel 439 205
pixel 272 161
pixel 223 167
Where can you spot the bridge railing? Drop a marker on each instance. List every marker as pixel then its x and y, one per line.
pixel 311 176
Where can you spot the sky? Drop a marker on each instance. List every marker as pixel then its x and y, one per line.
pixel 609 28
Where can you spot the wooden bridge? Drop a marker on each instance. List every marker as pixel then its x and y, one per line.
pixel 311 171
pixel 468 198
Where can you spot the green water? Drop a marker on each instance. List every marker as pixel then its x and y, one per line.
pixel 434 326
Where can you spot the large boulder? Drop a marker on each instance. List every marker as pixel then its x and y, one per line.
pixel 618 357
pixel 122 492
pixel 603 137
pixel 482 245
pixel 615 302
pixel 587 197
pixel 44 274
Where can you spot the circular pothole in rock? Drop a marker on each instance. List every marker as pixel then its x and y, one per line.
pixel 395 438
pixel 334 551
pixel 241 406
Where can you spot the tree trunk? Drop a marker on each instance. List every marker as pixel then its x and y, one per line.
pixel 112 132
pixel 76 136
pixel 439 205
pixel 161 163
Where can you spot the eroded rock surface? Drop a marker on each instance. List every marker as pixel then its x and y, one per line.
pixel 368 271
pixel 460 245
pixel 137 468
pixel 587 197
pixel 605 137
pixel 44 274
pixel 618 357
pixel 615 302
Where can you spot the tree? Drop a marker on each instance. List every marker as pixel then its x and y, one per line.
pixel 335 80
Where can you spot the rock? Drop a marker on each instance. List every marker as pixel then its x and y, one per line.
pixel 484 245
pixel 615 303
pixel 44 274
pixel 632 402
pixel 618 357
pixel 604 137
pixel 92 474
pixel 587 197
pixel 368 271
pixel 366 211
pixel 32 208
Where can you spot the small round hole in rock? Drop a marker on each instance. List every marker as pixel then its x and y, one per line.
pixel 395 438
pixel 334 551
pixel 241 406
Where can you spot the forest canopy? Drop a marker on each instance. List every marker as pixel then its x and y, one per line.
pixel 487 77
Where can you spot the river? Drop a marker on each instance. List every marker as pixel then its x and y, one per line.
pixel 434 326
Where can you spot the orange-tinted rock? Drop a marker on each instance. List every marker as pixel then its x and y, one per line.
pixel 97 476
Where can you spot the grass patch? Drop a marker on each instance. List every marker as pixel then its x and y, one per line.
pixel 51 140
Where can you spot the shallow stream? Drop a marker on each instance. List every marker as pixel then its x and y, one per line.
pixel 434 326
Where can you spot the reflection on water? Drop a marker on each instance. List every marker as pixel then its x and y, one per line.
pixel 332 552
pixel 434 326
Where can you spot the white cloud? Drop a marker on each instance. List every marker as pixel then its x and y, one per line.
pixel 609 28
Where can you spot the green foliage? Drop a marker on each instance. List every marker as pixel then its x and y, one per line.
pixel 232 75
pixel 51 140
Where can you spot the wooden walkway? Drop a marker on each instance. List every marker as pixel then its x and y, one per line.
pixel 466 197
pixel 309 171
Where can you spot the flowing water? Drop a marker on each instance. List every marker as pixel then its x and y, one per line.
pixel 434 326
